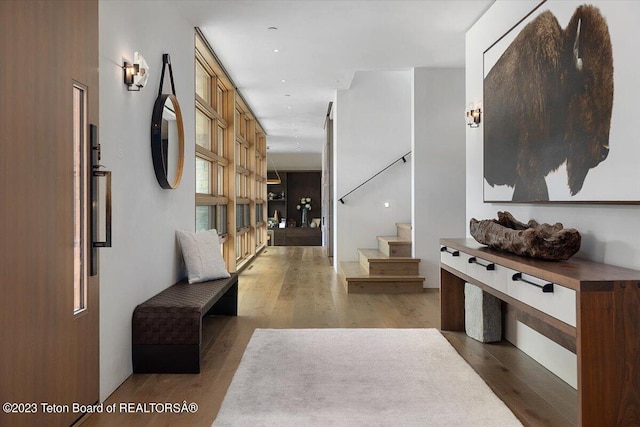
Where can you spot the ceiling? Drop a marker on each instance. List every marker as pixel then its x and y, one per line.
pixel 320 44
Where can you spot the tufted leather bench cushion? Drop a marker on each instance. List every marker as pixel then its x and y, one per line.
pixel 174 318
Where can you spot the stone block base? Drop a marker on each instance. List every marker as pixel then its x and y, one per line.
pixel 483 314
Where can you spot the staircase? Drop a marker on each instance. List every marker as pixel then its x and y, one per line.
pixel 386 270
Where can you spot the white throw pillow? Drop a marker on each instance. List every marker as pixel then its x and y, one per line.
pixel 202 256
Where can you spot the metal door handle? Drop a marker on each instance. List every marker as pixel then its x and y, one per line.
pixel 107 242
pixel 93 188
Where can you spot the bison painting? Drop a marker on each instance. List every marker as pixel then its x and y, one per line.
pixel 547 100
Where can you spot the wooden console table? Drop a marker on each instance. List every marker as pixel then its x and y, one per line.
pixel 298 236
pixel 590 308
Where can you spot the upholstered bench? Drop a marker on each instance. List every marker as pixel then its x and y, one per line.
pixel 167 328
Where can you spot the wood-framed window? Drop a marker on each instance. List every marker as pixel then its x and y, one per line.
pixel 243 145
pixel 230 148
pixel 213 95
pixel 260 188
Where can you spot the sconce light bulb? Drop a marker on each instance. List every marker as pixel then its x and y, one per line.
pixel 141 70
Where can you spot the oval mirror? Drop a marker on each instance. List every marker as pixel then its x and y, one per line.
pixel 167 141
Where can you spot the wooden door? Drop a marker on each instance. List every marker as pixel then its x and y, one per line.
pixel 48 98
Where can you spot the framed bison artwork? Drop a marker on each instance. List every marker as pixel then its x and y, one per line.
pixel 560 93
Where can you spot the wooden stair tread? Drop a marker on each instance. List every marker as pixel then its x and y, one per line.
pixel 378 256
pixel 353 270
pixel 357 281
pixel 395 246
pixel 394 240
pixel 404 230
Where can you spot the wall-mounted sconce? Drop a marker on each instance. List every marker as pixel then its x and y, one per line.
pixel 473 116
pixel 136 74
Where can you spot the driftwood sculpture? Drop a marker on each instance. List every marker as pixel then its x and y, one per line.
pixel 545 241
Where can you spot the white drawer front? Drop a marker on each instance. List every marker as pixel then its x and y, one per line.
pixel 490 274
pixel 454 258
pixel 561 303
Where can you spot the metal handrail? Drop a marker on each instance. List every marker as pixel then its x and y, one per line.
pixel 404 160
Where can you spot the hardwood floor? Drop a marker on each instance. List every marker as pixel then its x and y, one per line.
pixel 295 287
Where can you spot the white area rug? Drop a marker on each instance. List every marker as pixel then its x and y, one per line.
pixel 357 377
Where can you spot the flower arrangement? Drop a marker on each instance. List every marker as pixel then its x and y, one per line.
pixel 305 204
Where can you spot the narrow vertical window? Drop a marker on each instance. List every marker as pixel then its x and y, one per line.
pixel 203 176
pixel 202 83
pixel 220 180
pixel 221 219
pixel 203 130
pixel 220 140
pixel 79 200
pixel 219 101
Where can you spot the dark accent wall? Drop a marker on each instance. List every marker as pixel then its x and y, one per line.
pixel 296 185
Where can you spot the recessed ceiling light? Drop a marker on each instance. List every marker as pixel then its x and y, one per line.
pixel 276 50
pixel 272 28
pixel 283 81
pixel 289 107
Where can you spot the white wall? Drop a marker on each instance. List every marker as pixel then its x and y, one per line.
pixel 295 161
pixel 609 233
pixel 144 258
pixel 372 127
pixel 438 164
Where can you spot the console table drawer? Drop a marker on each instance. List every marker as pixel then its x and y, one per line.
pixel 489 273
pixel 560 302
pixel 454 258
